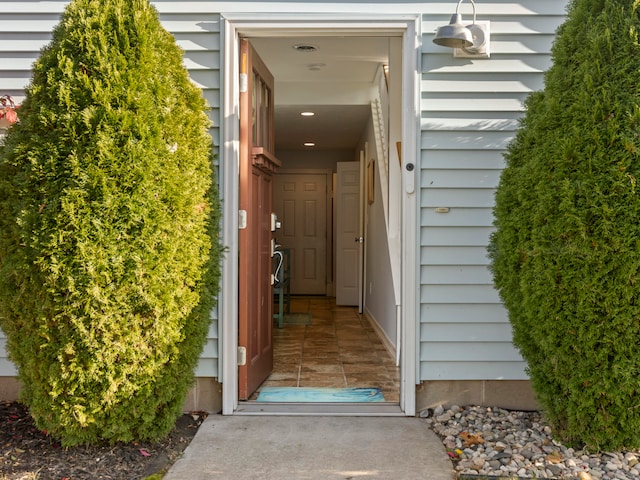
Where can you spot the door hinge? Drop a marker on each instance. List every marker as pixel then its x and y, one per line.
pixel 242 219
pixel 242 356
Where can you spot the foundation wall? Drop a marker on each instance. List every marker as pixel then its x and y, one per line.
pixel 205 395
pixel 9 388
pixel 508 394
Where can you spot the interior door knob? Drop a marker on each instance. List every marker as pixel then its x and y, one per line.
pixel 359 239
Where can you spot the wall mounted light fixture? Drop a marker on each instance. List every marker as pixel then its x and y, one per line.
pixel 468 41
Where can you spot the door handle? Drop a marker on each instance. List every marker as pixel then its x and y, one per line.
pixel 359 239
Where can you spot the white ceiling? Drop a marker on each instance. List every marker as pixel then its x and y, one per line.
pixel 334 81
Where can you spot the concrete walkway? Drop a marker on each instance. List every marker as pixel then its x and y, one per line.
pixel 322 448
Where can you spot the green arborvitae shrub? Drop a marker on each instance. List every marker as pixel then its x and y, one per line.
pixel 566 251
pixel 108 219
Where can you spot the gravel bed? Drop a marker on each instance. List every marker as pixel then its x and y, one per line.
pixel 493 442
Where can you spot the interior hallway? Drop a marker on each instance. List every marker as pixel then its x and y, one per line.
pixel 339 349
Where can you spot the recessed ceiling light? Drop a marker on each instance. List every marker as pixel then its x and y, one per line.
pixel 309 144
pixel 307 114
pixel 305 47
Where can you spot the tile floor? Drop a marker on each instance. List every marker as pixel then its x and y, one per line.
pixel 338 349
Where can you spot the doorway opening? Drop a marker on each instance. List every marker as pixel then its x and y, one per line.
pixel 331 119
pixel 365 110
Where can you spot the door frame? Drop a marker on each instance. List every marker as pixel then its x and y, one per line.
pixel 331 24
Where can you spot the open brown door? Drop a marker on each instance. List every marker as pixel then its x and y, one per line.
pixel 257 166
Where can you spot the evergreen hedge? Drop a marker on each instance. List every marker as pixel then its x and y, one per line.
pixel 108 228
pixel 566 251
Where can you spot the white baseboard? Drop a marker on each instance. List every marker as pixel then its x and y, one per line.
pixel 388 345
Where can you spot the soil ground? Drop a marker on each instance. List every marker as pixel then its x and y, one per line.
pixel 28 454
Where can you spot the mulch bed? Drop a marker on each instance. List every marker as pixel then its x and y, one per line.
pixel 28 454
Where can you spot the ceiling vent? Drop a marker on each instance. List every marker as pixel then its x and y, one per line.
pixel 305 47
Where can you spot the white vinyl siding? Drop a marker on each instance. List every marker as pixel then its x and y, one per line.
pixel 469 113
pixel 7 369
pixel 25 27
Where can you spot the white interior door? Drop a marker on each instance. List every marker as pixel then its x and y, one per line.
pixel 349 242
pixel 300 201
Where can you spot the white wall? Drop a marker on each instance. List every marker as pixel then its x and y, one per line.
pixel 313 159
pixel 380 302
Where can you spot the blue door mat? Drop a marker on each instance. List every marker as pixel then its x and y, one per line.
pixel 320 395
